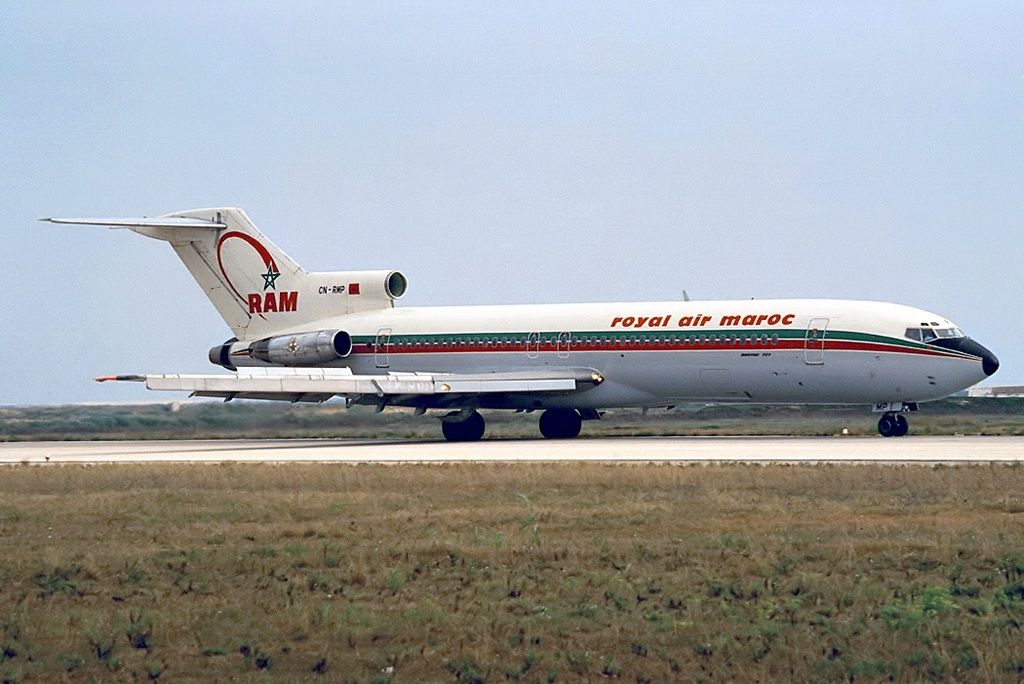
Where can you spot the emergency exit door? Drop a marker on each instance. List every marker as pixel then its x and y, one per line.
pixel 382 348
pixel 814 342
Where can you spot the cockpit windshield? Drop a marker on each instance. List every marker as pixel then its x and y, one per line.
pixel 929 333
pixel 949 332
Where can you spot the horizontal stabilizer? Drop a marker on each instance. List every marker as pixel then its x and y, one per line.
pixel 144 222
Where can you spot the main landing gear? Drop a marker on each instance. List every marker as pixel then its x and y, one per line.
pixel 469 429
pixel 560 423
pixel 460 426
pixel 893 425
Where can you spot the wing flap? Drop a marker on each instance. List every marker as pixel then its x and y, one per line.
pixel 270 396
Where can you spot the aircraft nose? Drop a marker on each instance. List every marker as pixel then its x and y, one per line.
pixel 989 362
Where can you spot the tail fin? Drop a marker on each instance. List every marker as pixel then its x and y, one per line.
pixel 257 288
pixel 252 282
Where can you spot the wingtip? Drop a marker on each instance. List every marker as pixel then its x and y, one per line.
pixel 121 378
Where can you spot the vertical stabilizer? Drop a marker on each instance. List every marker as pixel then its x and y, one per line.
pixel 258 290
pixel 254 285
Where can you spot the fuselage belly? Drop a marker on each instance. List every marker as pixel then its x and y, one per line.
pixel 659 378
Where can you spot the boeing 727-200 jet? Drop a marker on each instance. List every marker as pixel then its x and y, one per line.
pixel 340 334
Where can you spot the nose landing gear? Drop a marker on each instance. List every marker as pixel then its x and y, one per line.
pixel 893 425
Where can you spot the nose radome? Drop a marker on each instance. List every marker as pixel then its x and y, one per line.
pixel 989 362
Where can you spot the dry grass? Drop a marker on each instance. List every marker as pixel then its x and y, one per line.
pixel 532 572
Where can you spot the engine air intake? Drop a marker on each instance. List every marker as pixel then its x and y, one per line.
pixel 396 285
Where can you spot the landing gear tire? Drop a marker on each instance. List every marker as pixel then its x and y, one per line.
pixel 902 425
pixel 469 430
pixel 560 423
pixel 893 425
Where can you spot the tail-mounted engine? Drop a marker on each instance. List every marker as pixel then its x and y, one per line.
pixel 343 292
pixel 302 349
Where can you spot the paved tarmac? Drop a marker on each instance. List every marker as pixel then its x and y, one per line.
pixel 923 450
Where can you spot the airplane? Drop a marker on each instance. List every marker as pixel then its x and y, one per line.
pixel 340 334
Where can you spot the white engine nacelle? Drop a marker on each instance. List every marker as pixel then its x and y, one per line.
pixel 381 284
pixel 341 292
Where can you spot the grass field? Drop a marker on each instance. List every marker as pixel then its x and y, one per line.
pixel 530 572
pixel 204 419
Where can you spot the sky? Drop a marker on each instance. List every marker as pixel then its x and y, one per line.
pixel 504 153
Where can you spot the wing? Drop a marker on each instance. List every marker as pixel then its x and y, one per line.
pixel 437 389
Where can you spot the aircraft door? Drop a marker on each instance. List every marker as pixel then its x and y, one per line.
pixel 562 346
pixel 382 347
pixel 533 345
pixel 814 342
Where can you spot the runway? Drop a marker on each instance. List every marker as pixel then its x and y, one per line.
pixel 921 450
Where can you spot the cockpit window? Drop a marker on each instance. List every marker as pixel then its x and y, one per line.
pixel 928 334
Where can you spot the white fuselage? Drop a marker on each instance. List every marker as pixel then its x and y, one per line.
pixel 569 359
pixel 662 353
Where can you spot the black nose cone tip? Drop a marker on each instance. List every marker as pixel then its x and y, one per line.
pixel 989 362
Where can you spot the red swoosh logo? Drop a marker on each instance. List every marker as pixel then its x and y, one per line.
pixel 268 260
